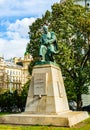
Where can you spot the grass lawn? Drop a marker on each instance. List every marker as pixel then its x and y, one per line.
pixel 85 125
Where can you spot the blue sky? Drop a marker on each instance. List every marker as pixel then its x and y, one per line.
pixel 15 17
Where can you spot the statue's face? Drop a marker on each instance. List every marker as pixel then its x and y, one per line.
pixel 45 29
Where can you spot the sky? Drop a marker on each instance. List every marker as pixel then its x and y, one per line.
pixel 15 18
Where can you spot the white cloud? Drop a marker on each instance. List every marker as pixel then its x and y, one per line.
pixel 17 38
pixel 20 27
pixel 25 7
pixel 14 35
pixel 13 48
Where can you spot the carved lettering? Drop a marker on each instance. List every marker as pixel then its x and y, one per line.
pixel 40 83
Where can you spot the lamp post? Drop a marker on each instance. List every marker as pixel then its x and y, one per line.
pixel 86 4
pixel 11 84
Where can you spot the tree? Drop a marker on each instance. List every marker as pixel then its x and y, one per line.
pixel 65 21
pixel 72 48
pixel 8 100
pixel 34 34
pixel 84 25
pixel 23 96
pixel 15 101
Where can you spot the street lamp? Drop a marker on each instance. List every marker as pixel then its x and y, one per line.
pixel 11 84
pixel 86 3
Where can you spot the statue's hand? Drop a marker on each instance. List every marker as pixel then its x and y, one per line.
pixel 46 42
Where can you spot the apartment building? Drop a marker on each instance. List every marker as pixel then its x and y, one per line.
pixel 14 73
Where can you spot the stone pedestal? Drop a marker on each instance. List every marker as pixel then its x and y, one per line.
pixel 46 93
pixel 47 101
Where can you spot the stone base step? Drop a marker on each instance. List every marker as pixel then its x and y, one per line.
pixel 66 119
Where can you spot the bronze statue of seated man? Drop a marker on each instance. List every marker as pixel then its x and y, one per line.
pixel 48 45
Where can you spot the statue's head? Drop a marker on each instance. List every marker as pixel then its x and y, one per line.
pixel 45 29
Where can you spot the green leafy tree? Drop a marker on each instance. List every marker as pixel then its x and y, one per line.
pixel 73 48
pixel 65 20
pixel 8 100
pixel 35 33
pixel 23 96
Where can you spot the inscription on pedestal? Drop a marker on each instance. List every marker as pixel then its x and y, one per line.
pixel 40 84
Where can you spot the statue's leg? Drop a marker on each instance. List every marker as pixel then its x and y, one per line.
pixel 53 49
pixel 42 52
pixel 50 55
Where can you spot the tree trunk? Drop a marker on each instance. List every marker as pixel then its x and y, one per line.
pixel 87 55
pixel 79 102
pixel 89 39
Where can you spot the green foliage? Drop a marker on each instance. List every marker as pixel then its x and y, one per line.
pixel 35 33
pixel 73 48
pixel 68 21
pixel 10 101
pixel 23 95
pixel 32 63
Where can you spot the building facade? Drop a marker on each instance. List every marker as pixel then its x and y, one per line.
pixel 2 71
pixel 14 74
pixel 86 98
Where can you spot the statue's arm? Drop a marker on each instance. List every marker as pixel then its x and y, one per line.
pixel 43 40
pixel 53 38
